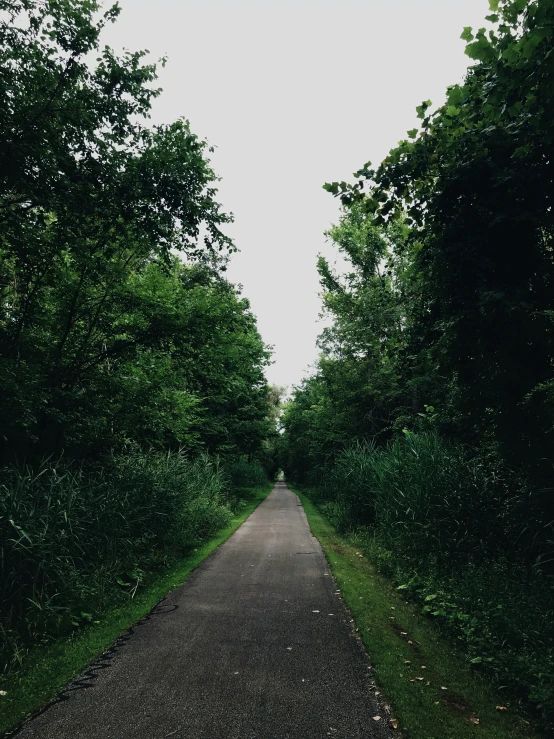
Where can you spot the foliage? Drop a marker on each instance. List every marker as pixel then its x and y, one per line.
pixel 481 607
pixel 132 371
pixel 429 417
pixel 476 185
pixel 41 673
pixel 246 474
pixel 448 529
pixel 434 687
pixel 106 338
pixel 70 536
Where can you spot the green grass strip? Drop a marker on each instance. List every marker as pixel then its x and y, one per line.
pixel 47 670
pixel 412 662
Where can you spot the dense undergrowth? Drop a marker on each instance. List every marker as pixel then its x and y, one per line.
pixel 74 539
pixel 447 528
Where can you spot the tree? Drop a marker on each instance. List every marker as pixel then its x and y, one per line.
pixel 105 338
pixel 476 184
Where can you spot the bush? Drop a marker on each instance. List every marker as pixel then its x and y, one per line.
pixel 243 473
pixel 426 494
pixel 70 536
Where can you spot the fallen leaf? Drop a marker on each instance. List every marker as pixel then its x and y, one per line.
pixel 394 723
pixel 412 680
pixel 501 708
pixel 423 667
pixel 436 703
pixel 376 718
pixel 3 692
pixel 403 633
pixel 443 688
pixel 407 662
pixel 315 611
pixel 410 642
pixel 419 678
pixel 474 720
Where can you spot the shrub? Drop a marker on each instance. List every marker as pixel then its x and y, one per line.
pixel 243 473
pixel 70 536
pixel 426 494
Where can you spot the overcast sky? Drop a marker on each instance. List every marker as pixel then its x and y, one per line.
pixel 294 94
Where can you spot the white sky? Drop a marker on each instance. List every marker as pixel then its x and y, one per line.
pixel 294 94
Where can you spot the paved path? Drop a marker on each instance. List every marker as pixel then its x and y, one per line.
pixel 256 645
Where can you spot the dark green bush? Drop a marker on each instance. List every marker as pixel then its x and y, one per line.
pixel 244 473
pixel 69 537
pixel 425 494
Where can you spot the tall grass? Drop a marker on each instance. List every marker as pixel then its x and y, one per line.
pixel 427 494
pixel 70 537
pixel 447 526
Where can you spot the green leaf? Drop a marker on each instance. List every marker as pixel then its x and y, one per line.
pixel 494 18
pixel 476 660
pixel 467 34
pixel 412 133
pixel 402 587
pixel 481 50
pixel 455 94
pixel 494 4
pixel 430 597
pixel 420 109
pixel 452 110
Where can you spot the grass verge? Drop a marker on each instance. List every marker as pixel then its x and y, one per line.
pixel 49 669
pixel 433 692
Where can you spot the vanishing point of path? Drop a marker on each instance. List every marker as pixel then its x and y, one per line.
pixel 255 645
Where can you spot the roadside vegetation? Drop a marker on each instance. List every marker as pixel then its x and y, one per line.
pixel 429 689
pixel 50 666
pixel 135 416
pixel 427 429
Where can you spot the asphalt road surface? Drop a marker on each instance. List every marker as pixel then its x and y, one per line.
pixel 255 645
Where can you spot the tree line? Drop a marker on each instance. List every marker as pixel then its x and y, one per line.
pixel 430 417
pixel 134 405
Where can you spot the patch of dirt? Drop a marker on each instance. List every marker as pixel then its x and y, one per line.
pixel 410 641
pixel 337 548
pixel 458 705
pixel 455 702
